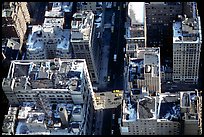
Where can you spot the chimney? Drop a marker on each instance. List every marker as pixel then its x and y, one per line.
pixel 63 115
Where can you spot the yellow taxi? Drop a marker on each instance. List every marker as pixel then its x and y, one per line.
pixel 116 91
pixel 119 95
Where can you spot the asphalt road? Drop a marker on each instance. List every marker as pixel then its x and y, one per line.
pixel 117 45
pixel 106 130
pixel 116 68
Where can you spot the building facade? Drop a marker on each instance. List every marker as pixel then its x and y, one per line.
pixel 89 6
pixel 187 40
pixel 15 18
pixel 199 109
pixel 83 42
pixel 159 17
pixel 149 115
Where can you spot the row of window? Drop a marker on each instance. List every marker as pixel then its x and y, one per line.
pixel 47 92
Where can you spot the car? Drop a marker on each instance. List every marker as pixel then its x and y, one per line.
pixel 102 94
pixel 118 7
pixel 116 91
pixel 119 95
pixel 112 29
pixel 108 78
pixel 97 98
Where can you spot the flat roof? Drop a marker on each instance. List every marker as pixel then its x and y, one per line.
pixel 187 30
pixel 169 107
pixel 41 74
pixel 36 39
pixel 81 30
pixel 136 12
pixel 146 108
pixel 32 122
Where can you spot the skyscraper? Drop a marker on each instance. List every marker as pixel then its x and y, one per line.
pixel 187 40
pixel 83 42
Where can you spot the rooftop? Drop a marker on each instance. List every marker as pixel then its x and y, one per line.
pixel 7 12
pixel 169 107
pixel 129 110
pixel 147 61
pixel 164 106
pixel 9 121
pixel 146 108
pixel 36 38
pixel 188 99
pixel 32 120
pixel 46 74
pixel 187 30
pixel 136 12
pixel 67 6
pixel 58 9
pixel 11 48
pixel 82 26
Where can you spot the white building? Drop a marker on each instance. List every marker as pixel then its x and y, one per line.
pixel 150 116
pixel 83 42
pixel 50 40
pixel 52 81
pixel 187 40
pixel 10 119
pixel 135 28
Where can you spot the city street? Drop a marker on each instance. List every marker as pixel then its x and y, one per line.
pixel 106 38
pixel 99 122
pixel 117 44
pixel 113 42
pixel 107 103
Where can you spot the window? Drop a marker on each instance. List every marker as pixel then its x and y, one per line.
pixel 81 47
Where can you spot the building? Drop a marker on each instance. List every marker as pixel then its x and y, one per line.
pixel 89 6
pixel 150 115
pixel 190 9
pixel 15 18
pixel 48 82
pixel 144 71
pixel 199 110
pixel 50 40
pixel 187 40
pixel 166 73
pixel 10 119
pixel 159 20
pixel 159 17
pixel 135 28
pixel 190 110
pixel 11 49
pixel 83 40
